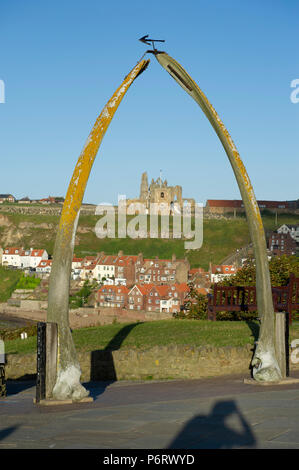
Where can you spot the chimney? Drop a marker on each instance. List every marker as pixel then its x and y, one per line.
pixel 120 253
pixel 173 258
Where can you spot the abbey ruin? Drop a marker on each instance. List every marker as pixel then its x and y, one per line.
pixel 159 192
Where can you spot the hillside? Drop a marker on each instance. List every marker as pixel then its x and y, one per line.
pixel 220 237
pixel 8 281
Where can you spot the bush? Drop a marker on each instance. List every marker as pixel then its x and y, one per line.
pixel 81 297
pixel 27 282
pixel 195 307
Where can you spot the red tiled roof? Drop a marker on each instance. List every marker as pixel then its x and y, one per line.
pixel 223 269
pixel 183 287
pixel 12 250
pixel 37 253
pixel 116 289
pixel 144 289
pixel 202 290
pixel 239 203
pixel 162 290
pixel 45 262
pixel 224 203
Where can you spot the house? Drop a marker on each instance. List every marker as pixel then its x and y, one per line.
pixel 24 200
pixel 215 206
pixel 25 258
pixel 282 244
pixel 220 272
pixel 162 271
pixel 11 256
pixel 76 262
pixel 44 266
pixel 112 296
pixel 105 267
pixel 199 278
pixel 36 256
pixel 293 230
pixel 76 267
pixel 7 198
pixel 157 298
pixel 125 269
pixel 172 300
pixel 137 297
pixel 120 268
pixel 48 200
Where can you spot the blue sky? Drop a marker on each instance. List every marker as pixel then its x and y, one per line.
pixel 62 60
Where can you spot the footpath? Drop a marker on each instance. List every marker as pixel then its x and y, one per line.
pixel 210 413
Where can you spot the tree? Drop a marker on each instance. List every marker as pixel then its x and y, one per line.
pixel 195 305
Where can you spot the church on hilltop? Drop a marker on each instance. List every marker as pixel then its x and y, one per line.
pixel 159 192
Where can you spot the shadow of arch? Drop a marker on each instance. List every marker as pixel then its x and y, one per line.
pixel 212 431
pixel 7 431
pixel 102 368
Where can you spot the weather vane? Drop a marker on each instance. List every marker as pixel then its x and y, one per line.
pixel 146 40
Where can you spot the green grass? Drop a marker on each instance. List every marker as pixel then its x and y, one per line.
pixel 158 333
pixel 221 237
pixel 27 282
pixel 8 282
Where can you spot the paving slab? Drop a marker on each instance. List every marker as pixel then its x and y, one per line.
pixel 215 413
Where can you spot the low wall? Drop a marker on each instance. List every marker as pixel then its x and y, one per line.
pixel 81 317
pixel 159 362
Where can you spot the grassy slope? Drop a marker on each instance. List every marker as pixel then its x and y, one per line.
pixel 8 281
pixel 164 332
pixel 220 238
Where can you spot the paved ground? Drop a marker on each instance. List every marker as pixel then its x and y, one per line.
pixel 197 414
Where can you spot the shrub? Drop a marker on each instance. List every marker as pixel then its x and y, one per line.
pixel 27 282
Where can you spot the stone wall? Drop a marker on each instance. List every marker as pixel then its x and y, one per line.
pixel 81 317
pixel 159 362
pixel 42 209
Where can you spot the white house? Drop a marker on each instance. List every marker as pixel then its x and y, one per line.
pixel 25 258
pixel 220 272
pixel 293 230
pixel 11 257
pixel 36 256
pixel 44 266
pixel 105 268
pixel 76 268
